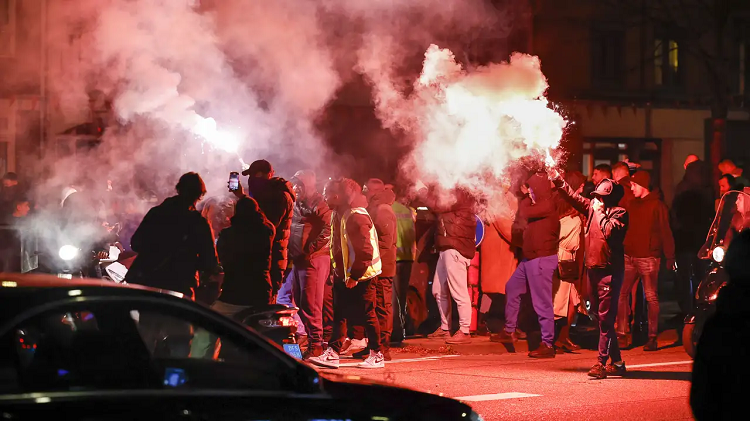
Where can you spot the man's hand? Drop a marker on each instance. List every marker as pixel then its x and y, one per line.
pixel 102 255
pixel 350 283
pixel 240 192
pixel 524 189
pixel 597 205
pixel 671 264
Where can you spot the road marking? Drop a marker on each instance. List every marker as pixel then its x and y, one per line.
pixel 495 397
pixel 660 364
pixel 405 360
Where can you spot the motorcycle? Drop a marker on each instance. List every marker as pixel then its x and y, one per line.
pixel 732 216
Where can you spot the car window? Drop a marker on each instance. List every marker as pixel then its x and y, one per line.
pixel 91 346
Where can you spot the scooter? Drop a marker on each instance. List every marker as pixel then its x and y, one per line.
pixel 731 218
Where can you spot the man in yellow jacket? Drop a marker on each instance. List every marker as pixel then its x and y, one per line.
pixel 356 263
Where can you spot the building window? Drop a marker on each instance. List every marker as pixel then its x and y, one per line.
pixel 7 28
pixel 667 69
pixel 607 57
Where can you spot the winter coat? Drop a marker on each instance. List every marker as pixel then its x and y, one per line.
pixel 381 211
pixel 456 225
pixel 276 199
pixel 692 209
pixel 358 229
pixel 498 257
pixel 244 251
pixel 649 235
pixel 605 231
pixel 311 225
pixel 173 242
pixel 542 234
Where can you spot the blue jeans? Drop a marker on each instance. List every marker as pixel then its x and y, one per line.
pixel 647 269
pixel 534 275
pixel 286 297
pixel 308 289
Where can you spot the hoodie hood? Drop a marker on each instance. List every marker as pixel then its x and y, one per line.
pixel 541 185
pixel 695 174
pixel 259 187
pixel 383 197
pixel 358 200
pixel 307 180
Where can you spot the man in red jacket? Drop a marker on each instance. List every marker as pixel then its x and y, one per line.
pixel 647 239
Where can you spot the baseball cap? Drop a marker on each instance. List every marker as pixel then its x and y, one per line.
pixel 260 166
pixel 608 191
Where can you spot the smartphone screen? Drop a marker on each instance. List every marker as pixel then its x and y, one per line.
pixel 234 181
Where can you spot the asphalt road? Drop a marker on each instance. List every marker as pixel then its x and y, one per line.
pixel 512 386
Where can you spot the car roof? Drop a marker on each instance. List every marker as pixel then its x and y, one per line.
pixel 21 291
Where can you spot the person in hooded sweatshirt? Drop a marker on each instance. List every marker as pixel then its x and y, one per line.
pixel 536 269
pixel 275 196
pixel 648 238
pixel 691 215
pixel 309 252
pixel 606 226
pixel 719 381
pixel 380 201
pixel 244 250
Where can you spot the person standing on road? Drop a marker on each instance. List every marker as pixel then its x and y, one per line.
pixel 648 237
pixel 691 215
pixel 454 239
pixel 605 230
pixel 275 196
pixel 406 251
pixel 535 270
pixel 310 254
pixel 356 264
pixel 380 201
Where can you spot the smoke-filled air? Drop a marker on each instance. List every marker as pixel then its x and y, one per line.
pixel 209 85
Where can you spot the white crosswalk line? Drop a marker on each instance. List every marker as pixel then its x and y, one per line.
pixel 495 397
pixel 660 364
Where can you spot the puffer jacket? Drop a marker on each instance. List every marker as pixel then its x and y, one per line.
pixel 276 199
pixel 311 224
pixel 605 230
pixel 456 224
pixel 381 211
pixel 542 233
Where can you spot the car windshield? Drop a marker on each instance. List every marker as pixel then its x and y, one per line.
pixel 732 216
pixel 105 347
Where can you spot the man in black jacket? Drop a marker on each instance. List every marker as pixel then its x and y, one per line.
pixel 535 270
pixel 606 226
pixel 310 254
pixel 455 240
pixel 275 196
pixel 173 243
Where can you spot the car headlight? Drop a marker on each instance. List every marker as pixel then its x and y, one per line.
pixel 718 254
pixel 68 252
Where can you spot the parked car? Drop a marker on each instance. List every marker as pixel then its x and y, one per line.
pixel 84 349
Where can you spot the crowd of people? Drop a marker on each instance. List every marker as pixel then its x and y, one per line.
pixel 344 256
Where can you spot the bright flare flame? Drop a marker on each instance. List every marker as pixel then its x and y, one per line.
pixel 68 252
pixel 472 126
pixel 206 129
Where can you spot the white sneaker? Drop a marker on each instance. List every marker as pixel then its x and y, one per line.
pixel 329 359
pixel 375 360
pixel 346 346
pixel 357 345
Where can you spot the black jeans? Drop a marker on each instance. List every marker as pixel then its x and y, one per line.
pixel 605 285
pixel 690 271
pixel 384 309
pixel 328 310
pixel 400 292
pixel 348 303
